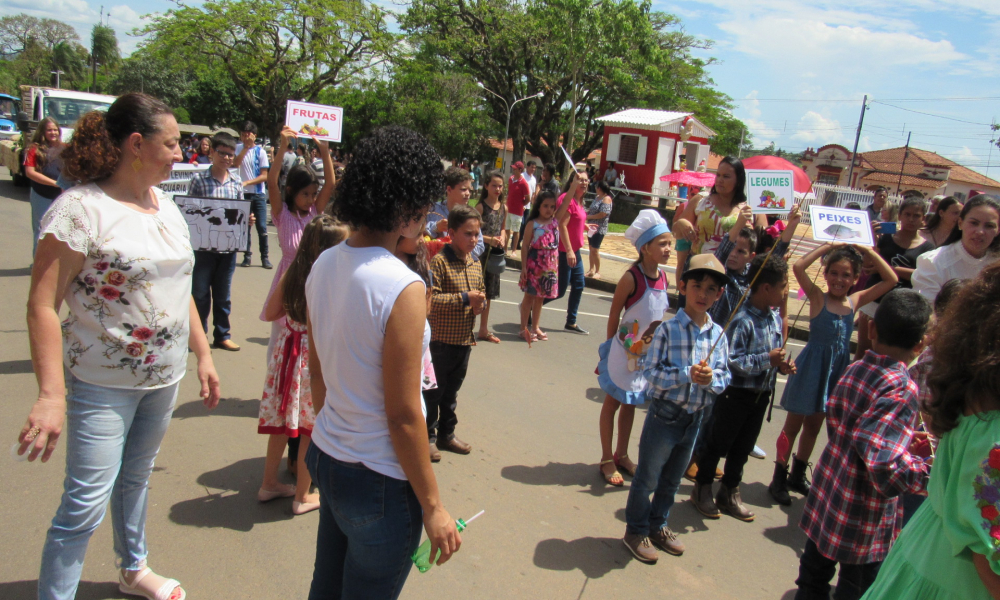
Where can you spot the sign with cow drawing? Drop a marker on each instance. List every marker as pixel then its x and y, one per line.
pixel 216 224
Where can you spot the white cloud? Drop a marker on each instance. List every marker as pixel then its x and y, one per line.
pixel 760 130
pixel 815 128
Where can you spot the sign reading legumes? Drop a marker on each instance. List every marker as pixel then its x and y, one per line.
pixel 770 192
pixel 308 120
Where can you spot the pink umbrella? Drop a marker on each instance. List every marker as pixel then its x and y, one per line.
pixel 802 183
pixel 696 178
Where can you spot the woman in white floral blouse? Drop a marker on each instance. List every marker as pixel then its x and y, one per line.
pixel 115 249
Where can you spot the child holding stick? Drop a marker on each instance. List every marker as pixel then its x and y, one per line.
pixel 826 355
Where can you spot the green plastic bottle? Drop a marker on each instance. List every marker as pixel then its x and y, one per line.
pixel 422 557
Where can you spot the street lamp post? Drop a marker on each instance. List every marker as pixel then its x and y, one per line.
pixel 57 73
pixel 506 134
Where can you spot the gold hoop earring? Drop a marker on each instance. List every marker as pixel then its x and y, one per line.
pixel 137 164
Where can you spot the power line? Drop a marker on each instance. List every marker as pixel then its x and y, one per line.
pixel 919 112
pixel 971 99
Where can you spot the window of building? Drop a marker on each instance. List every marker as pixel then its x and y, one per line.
pixel 828 178
pixel 628 149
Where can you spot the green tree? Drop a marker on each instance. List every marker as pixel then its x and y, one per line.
pixel 103 50
pixel 71 58
pixel 276 50
pixel 588 58
pixel 151 74
pixel 214 100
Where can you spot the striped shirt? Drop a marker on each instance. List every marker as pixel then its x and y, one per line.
pixel 752 336
pixel 677 345
pixel 452 318
pixel 852 513
pixel 204 185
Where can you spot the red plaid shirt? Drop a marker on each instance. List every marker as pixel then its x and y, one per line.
pixel 851 513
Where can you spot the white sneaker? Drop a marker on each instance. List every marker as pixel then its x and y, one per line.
pixel 758 453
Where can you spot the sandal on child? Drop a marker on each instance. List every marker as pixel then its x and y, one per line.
pixel 614 478
pixel 167 590
pixel 489 337
pixel 630 471
pixel 301 508
pixel 528 336
pixel 540 335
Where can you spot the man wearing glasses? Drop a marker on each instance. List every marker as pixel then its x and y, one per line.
pixel 213 271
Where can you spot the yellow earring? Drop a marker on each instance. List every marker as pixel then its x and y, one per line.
pixel 137 164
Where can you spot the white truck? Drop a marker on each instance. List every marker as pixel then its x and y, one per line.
pixel 65 106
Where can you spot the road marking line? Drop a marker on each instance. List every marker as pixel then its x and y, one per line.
pixel 551 308
pixel 515 282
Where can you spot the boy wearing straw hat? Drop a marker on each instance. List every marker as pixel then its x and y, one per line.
pixel 687 367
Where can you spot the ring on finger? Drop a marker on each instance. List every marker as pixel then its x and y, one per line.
pixel 32 433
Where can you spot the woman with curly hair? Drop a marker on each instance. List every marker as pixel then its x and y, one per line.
pixel 367 328
pixel 116 250
pixel 951 547
pixel 42 165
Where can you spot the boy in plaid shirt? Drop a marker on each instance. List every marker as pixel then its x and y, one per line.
pixel 458 295
pixel 755 357
pixel 852 514
pixel 685 377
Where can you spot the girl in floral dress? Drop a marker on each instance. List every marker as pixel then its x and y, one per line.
pixel 540 264
pixel 286 408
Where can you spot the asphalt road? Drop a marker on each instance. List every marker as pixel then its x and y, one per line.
pixel 552 528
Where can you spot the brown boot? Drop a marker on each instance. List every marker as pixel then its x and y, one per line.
pixel 666 540
pixel 453 444
pixel 640 548
pixel 729 502
pixel 701 497
pixel 692 471
pixel 435 454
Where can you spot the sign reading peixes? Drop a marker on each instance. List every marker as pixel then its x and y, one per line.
pixel 308 120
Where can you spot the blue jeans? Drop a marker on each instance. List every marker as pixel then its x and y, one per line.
pixel 369 527
pixel 570 277
pixel 112 437
pixel 210 285
pixel 39 204
pixel 664 451
pixel 258 206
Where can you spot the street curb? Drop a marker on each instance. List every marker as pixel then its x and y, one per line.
pixel 794 332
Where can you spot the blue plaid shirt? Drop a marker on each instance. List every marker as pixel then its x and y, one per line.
pixel 677 345
pixel 723 307
pixel 203 185
pixel 753 334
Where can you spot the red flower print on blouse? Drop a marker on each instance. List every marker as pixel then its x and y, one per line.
pixel 101 266
pixel 142 333
pixel 116 278
pixel 109 293
pixel 990 512
pixel 995 458
pixel 150 359
pixel 134 349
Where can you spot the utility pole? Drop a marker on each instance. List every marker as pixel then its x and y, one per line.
pixel 857 138
pixel 739 151
pixel 906 153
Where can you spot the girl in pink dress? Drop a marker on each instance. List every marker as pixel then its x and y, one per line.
pixel 286 408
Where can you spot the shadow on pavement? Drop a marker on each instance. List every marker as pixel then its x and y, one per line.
pixel 19 272
pixel 596 394
pixel 239 511
pixel 12 367
pixel 576 474
pixel 88 590
pixel 790 535
pixel 595 557
pixel 508 332
pixel 9 190
pixel 790 594
pixel 228 407
pixel 263 341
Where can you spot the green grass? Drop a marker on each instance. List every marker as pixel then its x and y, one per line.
pixel 616 228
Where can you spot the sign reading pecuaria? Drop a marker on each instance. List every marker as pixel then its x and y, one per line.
pixel 315 120
pixel 770 192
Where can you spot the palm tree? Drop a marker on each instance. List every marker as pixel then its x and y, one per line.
pixel 103 50
pixel 71 58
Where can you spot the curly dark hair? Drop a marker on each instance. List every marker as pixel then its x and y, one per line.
pixel 965 371
pixel 319 234
pixel 848 253
pixel 773 270
pixel 393 178
pixel 95 150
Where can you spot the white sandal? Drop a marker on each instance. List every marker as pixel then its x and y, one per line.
pixel 164 593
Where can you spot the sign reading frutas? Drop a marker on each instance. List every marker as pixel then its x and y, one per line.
pixel 216 224
pixel 770 192
pixel 831 224
pixel 315 120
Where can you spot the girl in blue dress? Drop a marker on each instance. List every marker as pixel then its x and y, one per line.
pixel 826 355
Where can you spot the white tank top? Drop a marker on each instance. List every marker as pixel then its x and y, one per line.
pixel 350 294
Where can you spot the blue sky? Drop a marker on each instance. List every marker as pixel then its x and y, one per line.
pixel 798 70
